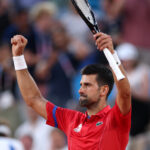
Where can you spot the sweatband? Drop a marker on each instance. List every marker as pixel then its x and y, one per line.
pixel 113 65
pixel 118 62
pixel 19 62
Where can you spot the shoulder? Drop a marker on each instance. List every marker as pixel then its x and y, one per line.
pixel 117 119
pixel 69 112
pixel 116 111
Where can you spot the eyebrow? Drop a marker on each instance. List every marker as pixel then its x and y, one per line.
pixel 86 83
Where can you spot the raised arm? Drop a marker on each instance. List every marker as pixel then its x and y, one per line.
pixel 124 94
pixel 27 85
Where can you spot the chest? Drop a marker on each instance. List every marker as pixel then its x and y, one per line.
pixel 86 133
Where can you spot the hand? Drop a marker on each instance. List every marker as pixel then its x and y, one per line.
pixel 18 44
pixel 103 41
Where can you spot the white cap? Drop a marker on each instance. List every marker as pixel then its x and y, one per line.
pixel 5 130
pixel 127 51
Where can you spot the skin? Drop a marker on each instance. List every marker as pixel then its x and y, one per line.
pixel 123 86
pixel 92 95
pixel 89 90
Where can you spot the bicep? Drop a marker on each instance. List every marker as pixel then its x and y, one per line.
pixel 124 103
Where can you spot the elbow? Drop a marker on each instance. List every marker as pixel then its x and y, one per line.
pixel 30 101
pixel 126 93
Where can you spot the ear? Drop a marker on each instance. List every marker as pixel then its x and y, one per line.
pixel 104 90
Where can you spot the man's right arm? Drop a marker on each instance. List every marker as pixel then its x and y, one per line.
pixel 31 93
pixel 27 85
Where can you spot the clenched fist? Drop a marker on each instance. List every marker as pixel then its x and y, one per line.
pixel 104 41
pixel 18 44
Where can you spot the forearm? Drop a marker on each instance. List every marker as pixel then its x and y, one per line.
pixel 123 85
pixel 31 93
pixel 28 88
pixel 124 92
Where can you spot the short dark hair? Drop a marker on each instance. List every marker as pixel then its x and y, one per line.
pixel 104 74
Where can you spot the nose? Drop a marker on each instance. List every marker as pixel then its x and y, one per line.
pixel 81 90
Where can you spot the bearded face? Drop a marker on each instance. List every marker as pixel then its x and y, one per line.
pixel 89 91
pixel 84 101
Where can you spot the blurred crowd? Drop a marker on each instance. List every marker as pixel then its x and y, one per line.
pixel 59 45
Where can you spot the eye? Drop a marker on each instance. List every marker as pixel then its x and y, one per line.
pixel 87 84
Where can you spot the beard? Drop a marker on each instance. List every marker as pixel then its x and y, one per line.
pixel 84 101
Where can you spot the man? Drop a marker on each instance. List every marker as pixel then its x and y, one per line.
pixel 6 142
pixel 101 128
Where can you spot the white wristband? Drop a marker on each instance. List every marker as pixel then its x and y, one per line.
pixel 19 62
pixel 118 62
pixel 113 65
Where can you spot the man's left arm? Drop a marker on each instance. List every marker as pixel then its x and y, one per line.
pixel 124 93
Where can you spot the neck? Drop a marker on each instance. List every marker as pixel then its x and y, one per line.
pixel 95 108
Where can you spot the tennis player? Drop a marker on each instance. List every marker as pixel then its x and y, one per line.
pixel 101 127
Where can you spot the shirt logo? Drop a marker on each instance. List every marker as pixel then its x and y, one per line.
pixel 99 123
pixel 78 129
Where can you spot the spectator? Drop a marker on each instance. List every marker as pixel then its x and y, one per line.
pixel 34 128
pixel 4 16
pixel 58 140
pixel 135 23
pixel 7 78
pixel 138 75
pixel 74 24
pixel 27 141
pixel 26 3
pixel 59 68
pixel 21 25
pixel 42 17
pixel 6 142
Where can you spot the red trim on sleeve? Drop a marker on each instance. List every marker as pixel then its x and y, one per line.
pixel 49 110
